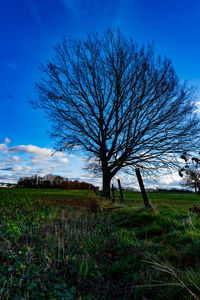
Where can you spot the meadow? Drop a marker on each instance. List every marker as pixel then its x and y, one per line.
pixel 72 244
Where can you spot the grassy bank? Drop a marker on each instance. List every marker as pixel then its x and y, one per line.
pixel 62 244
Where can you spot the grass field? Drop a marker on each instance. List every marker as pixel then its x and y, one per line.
pixel 70 244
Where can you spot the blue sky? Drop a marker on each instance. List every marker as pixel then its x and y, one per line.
pixel 29 30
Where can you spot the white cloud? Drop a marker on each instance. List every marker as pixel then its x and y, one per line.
pixel 35 161
pixel 7 141
pixel 170 178
pixel 31 149
pixel 31 159
pixel 3 148
pixel 15 158
pixel 44 153
pixel 64 160
pixel 11 159
pixel 15 169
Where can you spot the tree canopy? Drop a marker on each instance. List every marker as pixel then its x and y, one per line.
pixel 117 102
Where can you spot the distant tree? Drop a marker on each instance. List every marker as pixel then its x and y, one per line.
pixel 34 180
pixel 54 181
pixel 20 182
pixel 46 184
pixel 25 182
pixel 118 103
pixel 30 181
pixel 64 185
pixel 37 181
pixel 190 171
pixel 57 181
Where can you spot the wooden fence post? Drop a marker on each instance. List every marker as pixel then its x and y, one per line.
pixel 113 194
pixel 121 194
pixel 144 194
pixel 95 191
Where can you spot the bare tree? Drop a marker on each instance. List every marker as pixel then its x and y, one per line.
pixel 191 179
pixel 190 171
pixel 118 103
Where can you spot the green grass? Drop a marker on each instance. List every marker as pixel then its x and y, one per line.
pixel 70 244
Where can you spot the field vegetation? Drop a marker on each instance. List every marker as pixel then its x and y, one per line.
pixel 72 244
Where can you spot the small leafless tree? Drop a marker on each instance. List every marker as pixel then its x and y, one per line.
pixel 117 102
pixel 190 171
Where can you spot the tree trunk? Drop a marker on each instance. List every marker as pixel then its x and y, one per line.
pixel 106 175
pixel 106 185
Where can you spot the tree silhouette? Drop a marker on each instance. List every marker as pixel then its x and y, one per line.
pixel 190 171
pixel 116 102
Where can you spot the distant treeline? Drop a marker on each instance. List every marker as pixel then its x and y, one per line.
pixel 173 190
pixel 53 181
